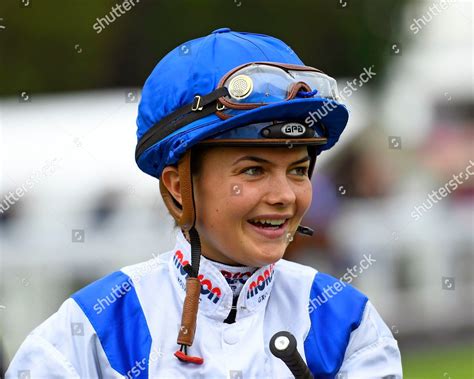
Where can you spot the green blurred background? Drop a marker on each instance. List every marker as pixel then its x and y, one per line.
pixel 39 44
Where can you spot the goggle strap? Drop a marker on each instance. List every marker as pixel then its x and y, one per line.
pixel 296 87
pixel 201 106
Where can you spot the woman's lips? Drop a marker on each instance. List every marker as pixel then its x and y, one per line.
pixel 270 233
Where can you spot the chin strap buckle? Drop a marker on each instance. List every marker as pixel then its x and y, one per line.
pixel 182 355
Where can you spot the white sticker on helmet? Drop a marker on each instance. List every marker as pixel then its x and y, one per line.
pixel 293 129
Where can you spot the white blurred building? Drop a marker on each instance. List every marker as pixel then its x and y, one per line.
pixel 429 86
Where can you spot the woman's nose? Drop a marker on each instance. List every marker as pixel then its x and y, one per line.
pixel 280 191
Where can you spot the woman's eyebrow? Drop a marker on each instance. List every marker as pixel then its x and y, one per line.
pixel 261 160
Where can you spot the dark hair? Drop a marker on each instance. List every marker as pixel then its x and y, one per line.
pixel 197 154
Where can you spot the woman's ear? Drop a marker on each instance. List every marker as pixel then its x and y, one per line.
pixel 170 178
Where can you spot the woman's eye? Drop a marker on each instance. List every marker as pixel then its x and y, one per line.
pixel 252 171
pixel 302 171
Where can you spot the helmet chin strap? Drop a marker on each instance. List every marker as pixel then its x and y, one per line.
pixel 185 216
pixel 186 219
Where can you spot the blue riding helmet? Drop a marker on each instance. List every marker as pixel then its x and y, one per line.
pixel 214 86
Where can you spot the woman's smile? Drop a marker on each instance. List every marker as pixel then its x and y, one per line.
pixel 273 227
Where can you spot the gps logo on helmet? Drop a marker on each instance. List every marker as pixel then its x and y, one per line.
pixel 262 281
pixel 213 293
pixel 293 129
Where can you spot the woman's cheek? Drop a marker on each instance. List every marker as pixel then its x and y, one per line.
pixel 308 199
pixel 248 203
pixel 305 195
pixel 303 202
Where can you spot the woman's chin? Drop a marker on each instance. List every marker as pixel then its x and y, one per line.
pixel 263 254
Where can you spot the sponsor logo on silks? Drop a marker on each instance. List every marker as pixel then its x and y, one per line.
pixel 213 293
pixel 293 129
pixel 261 282
pixel 236 277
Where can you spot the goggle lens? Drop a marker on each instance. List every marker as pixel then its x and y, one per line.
pixel 264 84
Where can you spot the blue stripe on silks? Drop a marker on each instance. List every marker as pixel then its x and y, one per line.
pixel 119 322
pixel 334 315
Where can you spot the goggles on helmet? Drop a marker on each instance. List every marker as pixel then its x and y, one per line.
pixel 261 83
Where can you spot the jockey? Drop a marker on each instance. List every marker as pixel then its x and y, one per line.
pixel 231 125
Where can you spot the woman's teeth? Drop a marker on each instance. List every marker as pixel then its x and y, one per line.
pixel 266 223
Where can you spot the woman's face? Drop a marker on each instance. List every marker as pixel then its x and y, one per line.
pixel 238 188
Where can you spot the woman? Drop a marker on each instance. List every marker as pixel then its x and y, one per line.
pixel 231 124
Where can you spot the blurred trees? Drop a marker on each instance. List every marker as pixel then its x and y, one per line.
pixel 51 45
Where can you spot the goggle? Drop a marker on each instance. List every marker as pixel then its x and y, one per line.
pixel 261 83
